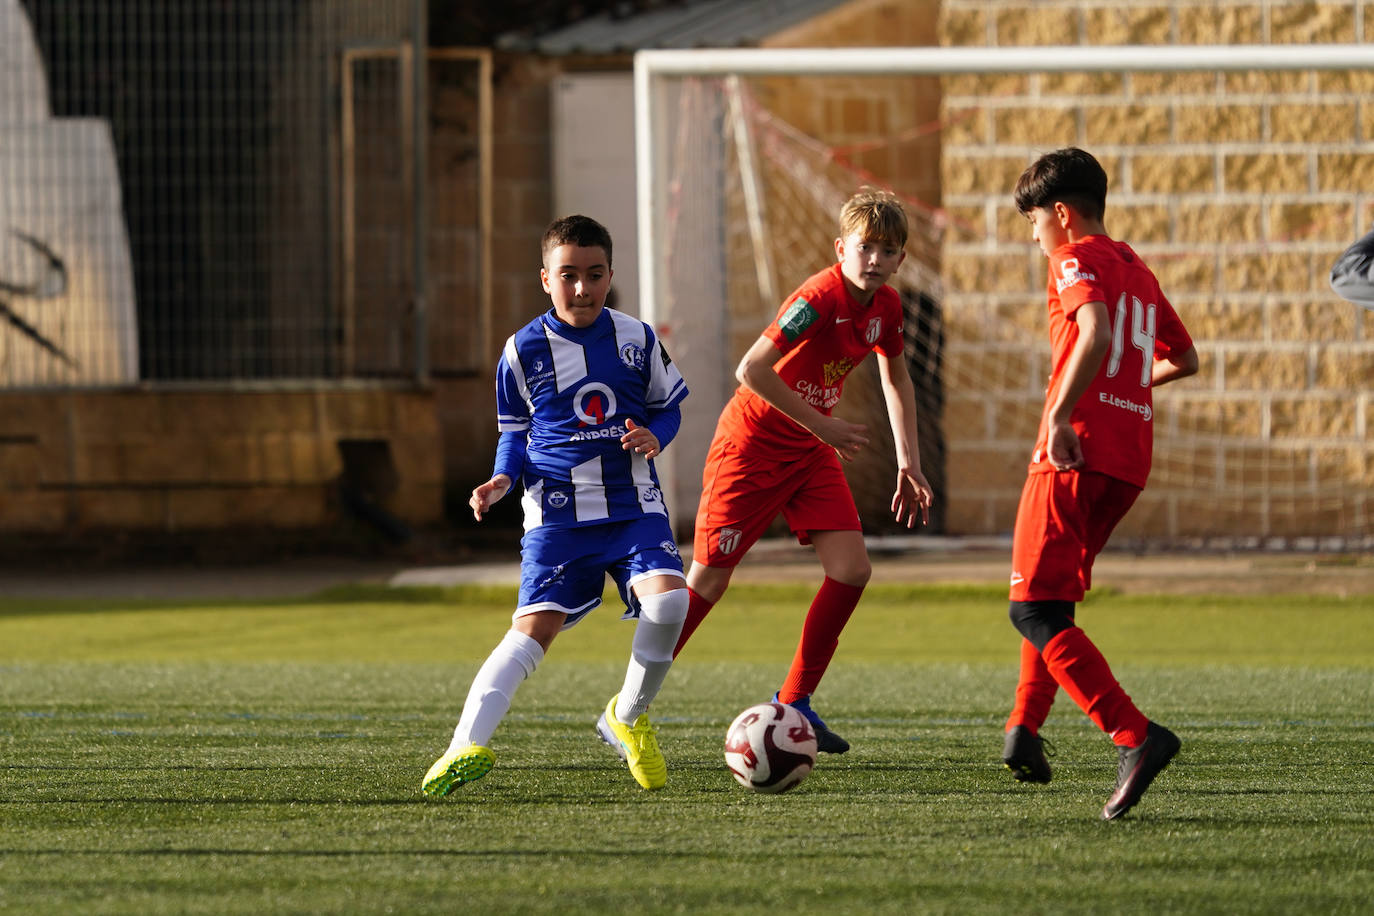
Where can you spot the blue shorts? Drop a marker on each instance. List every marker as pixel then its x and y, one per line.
pixel 564 569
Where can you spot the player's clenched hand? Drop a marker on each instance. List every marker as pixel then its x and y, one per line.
pixel 913 492
pixel 640 439
pixel 487 494
pixel 848 439
pixel 1065 452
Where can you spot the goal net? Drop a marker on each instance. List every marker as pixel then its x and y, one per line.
pixel 739 203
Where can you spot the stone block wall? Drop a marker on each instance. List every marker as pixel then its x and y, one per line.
pixel 522 201
pixel 164 462
pixel 1239 189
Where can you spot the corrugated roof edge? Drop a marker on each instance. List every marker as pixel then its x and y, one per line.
pixel 702 24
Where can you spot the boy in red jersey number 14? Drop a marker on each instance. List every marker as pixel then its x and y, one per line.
pixel 1113 337
pixel 777 448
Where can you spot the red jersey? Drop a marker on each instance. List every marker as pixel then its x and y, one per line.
pixel 1114 419
pixel 823 334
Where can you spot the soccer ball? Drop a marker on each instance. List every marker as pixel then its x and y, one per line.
pixel 770 748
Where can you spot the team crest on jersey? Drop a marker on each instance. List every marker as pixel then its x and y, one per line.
pixel 834 371
pixel 729 539
pixel 632 355
pixel 873 331
pixel 558 499
pixel 798 317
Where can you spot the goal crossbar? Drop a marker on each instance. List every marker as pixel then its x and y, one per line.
pixel 1041 59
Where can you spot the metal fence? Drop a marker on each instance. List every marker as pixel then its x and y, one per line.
pixel 211 192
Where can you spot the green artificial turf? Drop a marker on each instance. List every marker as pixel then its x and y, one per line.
pixel 266 758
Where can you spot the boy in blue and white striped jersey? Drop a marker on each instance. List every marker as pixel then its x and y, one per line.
pixel 586 398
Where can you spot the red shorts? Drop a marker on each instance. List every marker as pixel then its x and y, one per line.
pixel 741 495
pixel 1063 521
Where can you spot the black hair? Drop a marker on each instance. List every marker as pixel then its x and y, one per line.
pixel 582 231
pixel 1071 176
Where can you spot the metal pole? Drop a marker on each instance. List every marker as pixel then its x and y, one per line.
pixel 419 60
pixel 646 175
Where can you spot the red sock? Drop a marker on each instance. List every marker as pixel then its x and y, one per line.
pixel 829 612
pixel 1035 691
pixel 697 609
pixel 1081 670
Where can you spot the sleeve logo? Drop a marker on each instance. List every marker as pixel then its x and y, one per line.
pixel 798 317
pixel 1071 273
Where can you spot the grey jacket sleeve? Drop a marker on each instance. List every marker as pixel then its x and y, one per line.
pixel 1352 276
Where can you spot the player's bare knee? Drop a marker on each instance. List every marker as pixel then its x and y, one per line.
pixel 709 582
pixel 854 573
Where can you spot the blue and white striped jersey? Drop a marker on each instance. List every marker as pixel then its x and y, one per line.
pixel 570 390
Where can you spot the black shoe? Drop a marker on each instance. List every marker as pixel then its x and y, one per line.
pixel 1024 754
pixel 827 742
pixel 1138 768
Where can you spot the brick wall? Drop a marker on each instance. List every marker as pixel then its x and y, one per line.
pixel 1239 190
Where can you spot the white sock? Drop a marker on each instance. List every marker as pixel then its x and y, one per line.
pixel 651 652
pixel 514 659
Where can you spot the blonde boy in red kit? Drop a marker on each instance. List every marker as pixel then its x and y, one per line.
pixel 777 448
pixel 1114 337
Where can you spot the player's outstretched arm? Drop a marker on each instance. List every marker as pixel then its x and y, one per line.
pixel 913 493
pixel 756 373
pixel 488 494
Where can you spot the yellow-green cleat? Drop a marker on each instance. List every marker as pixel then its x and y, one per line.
pixel 638 741
pixel 458 767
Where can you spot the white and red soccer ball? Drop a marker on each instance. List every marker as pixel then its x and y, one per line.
pixel 770 748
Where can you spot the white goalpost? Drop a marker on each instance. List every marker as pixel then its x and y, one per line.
pixel 728 193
